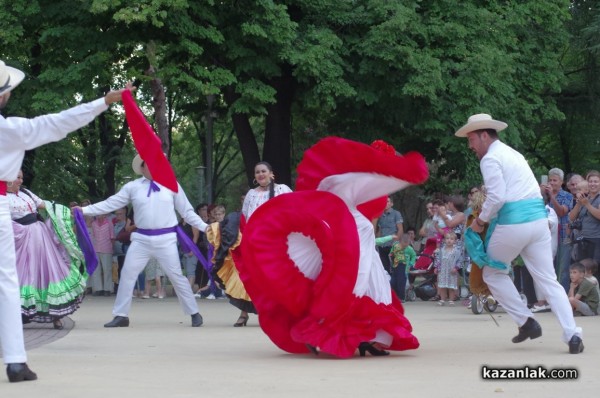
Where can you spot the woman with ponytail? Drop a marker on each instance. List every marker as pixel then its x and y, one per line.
pixel 225 239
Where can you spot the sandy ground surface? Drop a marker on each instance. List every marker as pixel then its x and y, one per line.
pixel 160 355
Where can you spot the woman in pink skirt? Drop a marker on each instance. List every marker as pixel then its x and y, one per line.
pixel 50 264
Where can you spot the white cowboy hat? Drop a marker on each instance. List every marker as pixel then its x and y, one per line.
pixel 9 78
pixel 481 121
pixel 136 164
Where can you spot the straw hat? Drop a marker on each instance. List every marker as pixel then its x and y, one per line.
pixel 9 78
pixel 136 164
pixel 481 121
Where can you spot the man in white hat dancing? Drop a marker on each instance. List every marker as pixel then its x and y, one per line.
pixel 16 136
pixel 156 235
pixel 515 210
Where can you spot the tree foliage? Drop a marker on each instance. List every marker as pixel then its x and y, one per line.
pixel 286 73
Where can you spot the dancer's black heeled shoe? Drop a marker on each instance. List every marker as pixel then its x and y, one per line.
pixel 312 349
pixel 242 321
pixel 371 349
pixel 58 325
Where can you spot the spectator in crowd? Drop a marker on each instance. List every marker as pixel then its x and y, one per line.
pixel 154 273
pixel 586 217
pixel 415 244
pixel 583 295
pixel 453 216
pixel 448 261
pixel 572 182
pixel 438 221
pixel 561 202
pixel 591 267
pixel 402 257
pixel 389 223
pixel 217 214
pixel 469 208
pixel 428 229
pixel 103 238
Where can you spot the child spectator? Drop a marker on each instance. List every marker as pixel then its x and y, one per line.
pixel 447 262
pixel 402 257
pixel 583 295
pixel 217 214
pixel 154 272
pixel 103 236
pixel 591 267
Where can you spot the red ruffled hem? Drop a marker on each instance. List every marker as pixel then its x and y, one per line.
pixel 341 335
pixel 295 310
pixel 335 155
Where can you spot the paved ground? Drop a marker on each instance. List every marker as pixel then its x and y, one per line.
pixel 160 355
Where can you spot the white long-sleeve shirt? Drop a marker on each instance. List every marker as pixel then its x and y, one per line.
pixel 150 212
pixel 507 178
pixel 18 134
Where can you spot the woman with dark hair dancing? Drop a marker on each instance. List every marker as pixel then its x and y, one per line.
pixel 225 238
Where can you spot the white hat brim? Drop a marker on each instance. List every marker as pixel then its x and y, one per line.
pixel 15 78
pixel 480 125
pixel 136 164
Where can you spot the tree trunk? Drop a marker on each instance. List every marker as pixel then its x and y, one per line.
pixel 245 136
pixel 278 127
pixel 159 100
pixel 159 103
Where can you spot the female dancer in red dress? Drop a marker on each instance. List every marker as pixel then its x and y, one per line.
pixel 315 250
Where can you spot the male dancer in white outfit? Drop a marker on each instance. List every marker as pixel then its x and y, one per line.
pixel 154 216
pixel 16 136
pixel 514 202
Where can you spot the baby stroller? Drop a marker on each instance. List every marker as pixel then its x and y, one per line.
pixel 480 302
pixel 425 287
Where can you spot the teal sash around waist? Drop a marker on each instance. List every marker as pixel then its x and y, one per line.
pixel 520 212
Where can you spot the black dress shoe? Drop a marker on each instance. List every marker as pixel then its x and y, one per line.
pixel 118 322
pixel 530 330
pixel 197 320
pixel 365 347
pixel 19 372
pixel 575 345
pixel 312 349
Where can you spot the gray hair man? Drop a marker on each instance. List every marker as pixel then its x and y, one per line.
pixel 561 202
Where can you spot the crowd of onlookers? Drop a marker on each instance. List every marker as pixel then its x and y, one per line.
pixel 573 205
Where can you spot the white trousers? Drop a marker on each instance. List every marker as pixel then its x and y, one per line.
pixel 11 325
pixel 164 249
pixel 532 242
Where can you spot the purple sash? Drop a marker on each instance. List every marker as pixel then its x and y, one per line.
pixel 85 243
pixel 187 245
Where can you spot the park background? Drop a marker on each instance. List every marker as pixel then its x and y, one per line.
pixel 228 83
